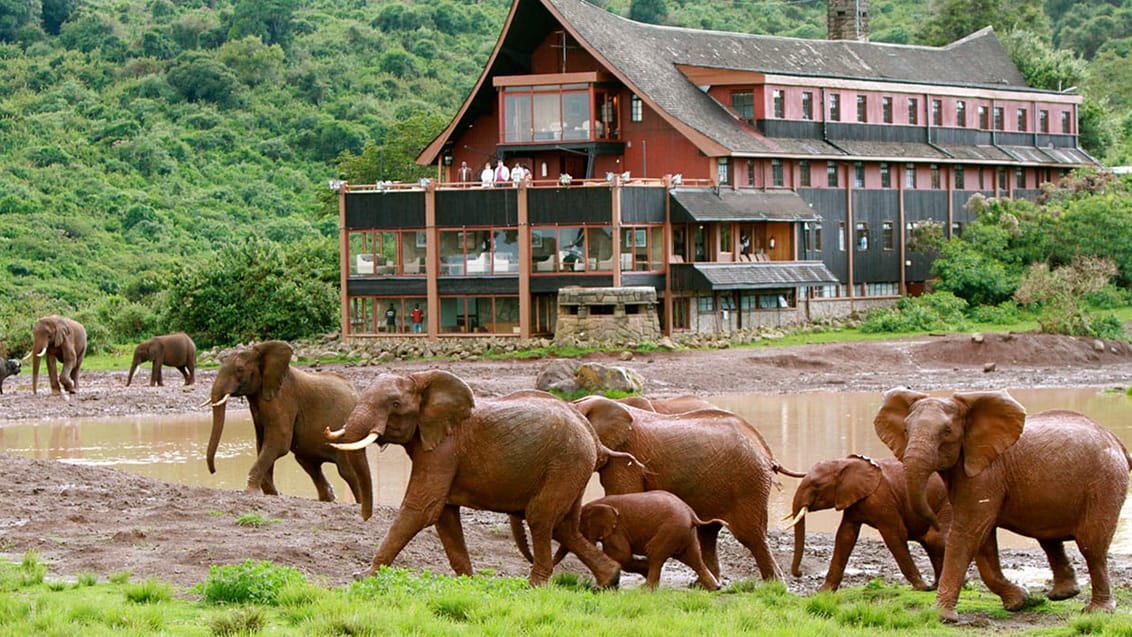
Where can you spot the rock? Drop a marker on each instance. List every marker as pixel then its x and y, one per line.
pixel 626 356
pixel 595 378
pixel 989 367
pixel 977 338
pixel 1098 345
pixel 558 375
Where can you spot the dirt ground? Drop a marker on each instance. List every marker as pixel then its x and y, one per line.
pixel 89 519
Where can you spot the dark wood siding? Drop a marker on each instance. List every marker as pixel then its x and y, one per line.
pixel 643 205
pixel 577 204
pixel 830 205
pixel 386 286
pixel 551 284
pixel 477 286
pixel 403 209
pixel 477 207
pixel 875 265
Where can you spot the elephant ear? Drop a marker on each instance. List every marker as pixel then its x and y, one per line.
pixel 446 401
pixel 858 479
pixel 889 421
pixel 600 520
pixel 610 419
pixel 274 360
pixel 62 333
pixel 994 421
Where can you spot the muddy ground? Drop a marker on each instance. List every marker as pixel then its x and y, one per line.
pixel 89 519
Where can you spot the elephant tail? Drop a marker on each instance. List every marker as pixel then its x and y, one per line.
pixel 778 468
pixel 605 455
pixel 519 532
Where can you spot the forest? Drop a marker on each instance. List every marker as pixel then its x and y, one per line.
pixel 165 165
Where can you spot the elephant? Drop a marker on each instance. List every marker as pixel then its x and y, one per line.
pixel 528 454
pixel 677 405
pixel 871 492
pixel 290 409
pixel 1053 476
pixel 710 458
pixel 176 350
pixel 58 338
pixel 8 367
pixel 656 524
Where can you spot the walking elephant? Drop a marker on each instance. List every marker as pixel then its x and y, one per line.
pixel 59 339
pixel 175 350
pixel 527 454
pixel 1052 476
pixel 871 492
pixel 291 409
pixel 710 458
pixel 656 524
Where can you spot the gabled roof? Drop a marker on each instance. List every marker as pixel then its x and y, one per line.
pixel 647 58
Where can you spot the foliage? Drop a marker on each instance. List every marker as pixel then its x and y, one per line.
pixel 151 591
pixel 930 312
pixel 248 583
pixel 1061 293
pixel 649 11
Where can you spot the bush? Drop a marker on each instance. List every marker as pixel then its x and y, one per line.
pixel 248 583
pixel 936 311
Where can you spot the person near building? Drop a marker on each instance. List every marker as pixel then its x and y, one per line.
pixel 390 319
pixel 417 317
pixel 464 174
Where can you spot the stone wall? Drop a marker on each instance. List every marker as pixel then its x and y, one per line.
pixel 607 315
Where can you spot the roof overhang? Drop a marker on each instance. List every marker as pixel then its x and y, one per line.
pixel 725 204
pixel 773 275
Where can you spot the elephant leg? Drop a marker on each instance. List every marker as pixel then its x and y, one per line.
pixel 693 557
pixel 410 520
pixel 271 445
pixel 451 533
pixel 656 565
pixel 1096 558
pixel 1064 577
pixel 708 536
pixel 606 571
pixel 753 536
pixel 990 570
pixel 267 485
pixel 844 541
pixel 898 545
pixel 53 375
pixel 185 372
pixel 155 376
pixel 321 484
pixel 934 544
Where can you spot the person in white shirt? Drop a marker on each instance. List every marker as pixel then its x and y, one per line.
pixel 487 175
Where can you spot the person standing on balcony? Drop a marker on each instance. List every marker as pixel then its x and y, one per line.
pixel 464 174
pixel 487 175
pixel 502 174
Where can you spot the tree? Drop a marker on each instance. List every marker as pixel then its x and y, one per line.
pixel 252 61
pixel 16 15
pixel 650 11
pixel 271 20
pixel 952 20
pixel 198 77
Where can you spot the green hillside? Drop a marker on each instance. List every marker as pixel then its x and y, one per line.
pixel 152 151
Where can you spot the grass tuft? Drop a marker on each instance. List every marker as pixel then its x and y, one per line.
pixel 248 583
pixel 247 620
pixel 150 591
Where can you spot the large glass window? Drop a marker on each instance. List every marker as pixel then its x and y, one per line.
pixel 479 252
pixel 385 315
pixel 546 113
pixel 723 171
pixel 379 253
pixel 642 248
pixel 571 249
pixel 743 102
pixel 479 314
pixel 636 109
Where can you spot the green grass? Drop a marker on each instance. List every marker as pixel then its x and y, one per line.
pixel 264 598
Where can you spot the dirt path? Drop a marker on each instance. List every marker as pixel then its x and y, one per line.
pixel 88 519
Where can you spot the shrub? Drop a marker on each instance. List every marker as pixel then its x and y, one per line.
pixel 935 311
pixel 248 583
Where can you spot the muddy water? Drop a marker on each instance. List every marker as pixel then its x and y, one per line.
pixel 801 428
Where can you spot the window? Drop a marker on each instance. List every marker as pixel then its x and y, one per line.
pixel 567 249
pixel 1019 177
pixel 776 172
pixel 779 104
pixel 958 172
pixel 862 108
pixel 886 109
pixel 885 176
pixel 982 179
pixel 841 236
pixel 887 236
pixel 861 237
pixel 909 175
pixel 817 237
pixel 835 107
pixel 961 114
pixel 1065 122
pixel 750 172
pixel 937 113
pixel 913 111
pixel 1043 121
pixel 388 253
pixel 1022 119
pixel 807 105
pixel 831 174
pixel 1002 178
pixel 956 229
pixel 811 236
pixel 998 117
pixel 804 173
pixel 984 118
pixel 705 304
pixel 642 250
pixel 858 175
pixel 935 177
pixel 743 102
pixel 545 112
pixel 636 109
pixel 723 170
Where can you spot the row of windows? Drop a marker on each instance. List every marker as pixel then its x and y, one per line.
pixel 910 175
pixel 985 117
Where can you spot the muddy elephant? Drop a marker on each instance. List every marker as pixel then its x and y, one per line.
pixel 528 454
pixel 710 458
pixel 59 339
pixel 1052 476
pixel 8 367
pixel 291 409
pixel 656 524
pixel 175 350
pixel 871 492
pixel 677 405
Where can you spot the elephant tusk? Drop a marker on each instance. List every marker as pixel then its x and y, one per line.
pixel 40 355
pixel 354 446
pixel 801 514
pixel 208 402
pixel 335 434
pixel 27 356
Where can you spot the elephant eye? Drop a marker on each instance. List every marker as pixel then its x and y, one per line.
pixel 396 404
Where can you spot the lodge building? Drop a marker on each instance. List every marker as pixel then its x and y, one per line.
pixel 748 179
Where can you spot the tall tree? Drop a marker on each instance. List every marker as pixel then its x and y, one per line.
pixel 650 11
pixel 951 20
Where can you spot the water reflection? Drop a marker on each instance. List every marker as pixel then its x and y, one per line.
pixel 802 428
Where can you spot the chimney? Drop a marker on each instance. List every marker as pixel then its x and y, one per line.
pixel 848 20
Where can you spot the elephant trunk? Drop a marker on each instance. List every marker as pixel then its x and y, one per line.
pixel 917 472
pixel 799 540
pixel 218 412
pixel 35 370
pixel 133 368
pixel 359 463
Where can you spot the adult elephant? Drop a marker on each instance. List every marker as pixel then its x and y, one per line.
pixel 710 458
pixel 677 405
pixel 1052 476
pixel 59 339
pixel 175 350
pixel 528 454
pixel 871 492
pixel 290 409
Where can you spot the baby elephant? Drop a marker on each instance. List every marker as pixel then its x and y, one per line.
pixel 656 524
pixel 871 492
pixel 8 367
pixel 175 350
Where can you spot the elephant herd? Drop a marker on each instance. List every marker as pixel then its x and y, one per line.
pixel 674 471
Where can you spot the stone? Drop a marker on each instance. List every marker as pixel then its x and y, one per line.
pixel 558 375
pixel 989 367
